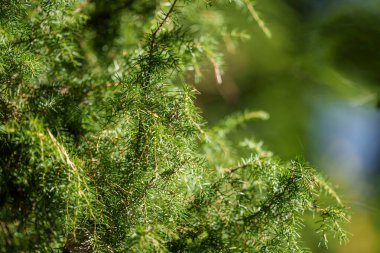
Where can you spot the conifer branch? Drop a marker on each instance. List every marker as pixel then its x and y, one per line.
pixel 160 25
pixel 257 18
pixel 232 170
pixel 134 167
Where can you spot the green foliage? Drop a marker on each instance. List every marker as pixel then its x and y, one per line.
pixel 103 149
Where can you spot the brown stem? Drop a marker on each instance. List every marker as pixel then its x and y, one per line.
pixel 154 34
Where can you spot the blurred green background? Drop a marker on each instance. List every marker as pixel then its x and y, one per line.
pixel 318 77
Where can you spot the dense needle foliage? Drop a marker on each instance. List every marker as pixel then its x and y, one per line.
pixel 103 150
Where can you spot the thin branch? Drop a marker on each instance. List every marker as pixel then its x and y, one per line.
pixel 154 34
pixel 144 84
pixel 232 170
pixel 324 185
pixel 257 18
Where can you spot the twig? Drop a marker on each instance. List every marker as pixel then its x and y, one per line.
pixel 231 170
pixel 146 82
pixel 154 34
pixel 259 21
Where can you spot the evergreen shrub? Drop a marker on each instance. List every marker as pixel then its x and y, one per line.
pixel 103 149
